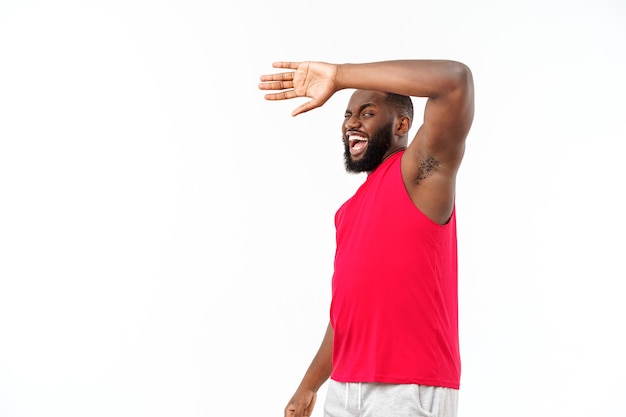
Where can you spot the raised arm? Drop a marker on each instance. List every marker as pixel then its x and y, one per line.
pixel 432 159
pixel 448 85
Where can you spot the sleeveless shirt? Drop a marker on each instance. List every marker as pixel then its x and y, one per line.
pixel 394 308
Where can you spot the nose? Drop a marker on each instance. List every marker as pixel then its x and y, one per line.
pixel 352 122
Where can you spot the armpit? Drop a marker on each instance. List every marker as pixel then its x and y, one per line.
pixel 427 165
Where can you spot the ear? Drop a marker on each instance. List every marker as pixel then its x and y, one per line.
pixel 403 124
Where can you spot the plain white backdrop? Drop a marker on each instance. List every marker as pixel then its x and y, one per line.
pixel 166 234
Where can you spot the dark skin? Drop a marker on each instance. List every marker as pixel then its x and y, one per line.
pixel 429 164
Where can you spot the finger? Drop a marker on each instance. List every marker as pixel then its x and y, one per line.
pixel 309 105
pixel 285 95
pixel 276 85
pixel 290 411
pixel 282 76
pixel 286 64
pixel 293 411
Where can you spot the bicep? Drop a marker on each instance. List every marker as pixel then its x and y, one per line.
pixel 447 121
pixel 434 156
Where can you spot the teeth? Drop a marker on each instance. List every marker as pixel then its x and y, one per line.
pixel 353 138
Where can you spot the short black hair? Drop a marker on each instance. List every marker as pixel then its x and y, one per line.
pixel 403 104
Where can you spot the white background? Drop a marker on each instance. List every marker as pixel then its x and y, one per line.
pixel 166 234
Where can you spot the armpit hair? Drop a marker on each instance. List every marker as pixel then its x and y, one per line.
pixel 427 166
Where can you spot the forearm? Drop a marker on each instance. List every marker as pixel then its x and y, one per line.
pixel 419 78
pixel 321 367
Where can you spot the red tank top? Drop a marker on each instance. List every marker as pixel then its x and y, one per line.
pixel 394 307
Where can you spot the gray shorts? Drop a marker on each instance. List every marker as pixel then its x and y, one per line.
pixel 386 400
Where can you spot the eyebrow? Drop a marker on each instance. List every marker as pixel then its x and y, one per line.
pixel 363 107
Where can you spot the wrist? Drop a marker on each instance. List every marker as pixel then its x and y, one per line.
pixel 342 76
pixel 313 384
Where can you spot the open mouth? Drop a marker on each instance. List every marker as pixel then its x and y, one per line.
pixel 357 144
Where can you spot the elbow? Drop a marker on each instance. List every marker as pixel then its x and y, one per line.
pixel 460 76
pixel 462 90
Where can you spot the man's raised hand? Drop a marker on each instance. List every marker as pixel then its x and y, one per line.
pixel 315 80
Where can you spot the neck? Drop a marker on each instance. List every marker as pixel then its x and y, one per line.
pixel 387 156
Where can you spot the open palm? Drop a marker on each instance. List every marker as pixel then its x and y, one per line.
pixel 315 80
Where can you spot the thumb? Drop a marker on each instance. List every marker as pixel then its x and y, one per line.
pixel 309 105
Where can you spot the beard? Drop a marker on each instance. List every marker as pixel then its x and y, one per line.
pixel 377 146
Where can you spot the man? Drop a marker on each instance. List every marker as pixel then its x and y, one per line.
pixel 391 348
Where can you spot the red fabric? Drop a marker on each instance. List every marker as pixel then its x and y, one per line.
pixel 394 307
